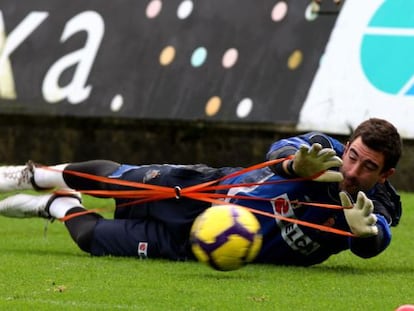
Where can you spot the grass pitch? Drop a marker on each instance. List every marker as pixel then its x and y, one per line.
pixel 49 272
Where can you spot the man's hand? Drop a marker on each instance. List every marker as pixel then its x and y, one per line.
pixel 360 218
pixel 330 176
pixel 311 161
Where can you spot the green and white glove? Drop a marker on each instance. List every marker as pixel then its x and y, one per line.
pixel 311 161
pixel 360 217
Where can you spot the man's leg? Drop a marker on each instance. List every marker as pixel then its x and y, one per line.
pixel 26 205
pixel 37 177
pixel 98 236
pixel 19 177
pixel 52 206
pixel 102 168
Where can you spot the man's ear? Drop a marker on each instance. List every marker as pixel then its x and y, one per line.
pixel 346 146
pixel 385 175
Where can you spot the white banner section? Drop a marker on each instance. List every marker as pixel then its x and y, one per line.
pixel 367 69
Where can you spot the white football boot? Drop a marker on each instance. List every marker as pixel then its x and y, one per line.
pixel 26 206
pixel 19 177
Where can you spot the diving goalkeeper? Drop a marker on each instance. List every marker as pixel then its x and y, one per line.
pixel 354 175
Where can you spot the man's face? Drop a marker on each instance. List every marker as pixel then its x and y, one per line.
pixel 362 168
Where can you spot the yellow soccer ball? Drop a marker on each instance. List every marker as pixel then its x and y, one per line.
pixel 226 237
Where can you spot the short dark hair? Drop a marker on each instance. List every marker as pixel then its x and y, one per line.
pixel 380 135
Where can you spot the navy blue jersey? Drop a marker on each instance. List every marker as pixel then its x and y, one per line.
pixel 288 243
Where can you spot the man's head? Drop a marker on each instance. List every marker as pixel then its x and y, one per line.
pixel 370 156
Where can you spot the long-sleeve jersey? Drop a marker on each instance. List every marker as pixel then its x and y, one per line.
pixel 288 243
pixel 386 199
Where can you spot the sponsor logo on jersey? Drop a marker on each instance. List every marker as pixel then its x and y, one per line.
pixel 291 233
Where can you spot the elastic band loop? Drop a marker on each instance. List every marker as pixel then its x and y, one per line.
pixel 177 190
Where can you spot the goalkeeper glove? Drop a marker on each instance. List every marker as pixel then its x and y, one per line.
pixel 311 161
pixel 359 217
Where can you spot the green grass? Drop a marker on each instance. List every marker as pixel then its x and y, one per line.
pixel 50 273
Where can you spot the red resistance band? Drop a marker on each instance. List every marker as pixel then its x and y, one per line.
pixel 148 193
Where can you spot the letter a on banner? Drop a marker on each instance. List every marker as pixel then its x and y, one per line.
pixel 76 91
pixel 8 44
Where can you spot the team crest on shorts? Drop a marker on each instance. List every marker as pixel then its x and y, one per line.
pixel 142 250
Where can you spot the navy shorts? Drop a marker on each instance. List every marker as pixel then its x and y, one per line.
pixel 158 229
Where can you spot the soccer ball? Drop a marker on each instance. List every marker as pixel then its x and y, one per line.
pixel 226 237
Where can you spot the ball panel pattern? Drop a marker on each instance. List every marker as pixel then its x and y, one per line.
pixel 226 237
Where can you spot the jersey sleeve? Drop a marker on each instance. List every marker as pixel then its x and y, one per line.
pixel 387 202
pixel 288 146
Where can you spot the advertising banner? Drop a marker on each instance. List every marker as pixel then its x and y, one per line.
pixel 367 70
pixel 225 60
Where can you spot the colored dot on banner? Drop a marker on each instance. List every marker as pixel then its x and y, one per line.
pixel 199 56
pixel 117 103
pixel 311 12
pixel 244 107
pixel 185 9
pixel 230 58
pixel 213 106
pixel 295 59
pixel 167 55
pixel 153 8
pixel 279 11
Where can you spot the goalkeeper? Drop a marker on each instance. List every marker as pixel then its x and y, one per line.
pixel 354 175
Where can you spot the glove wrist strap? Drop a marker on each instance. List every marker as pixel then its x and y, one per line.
pixel 290 169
